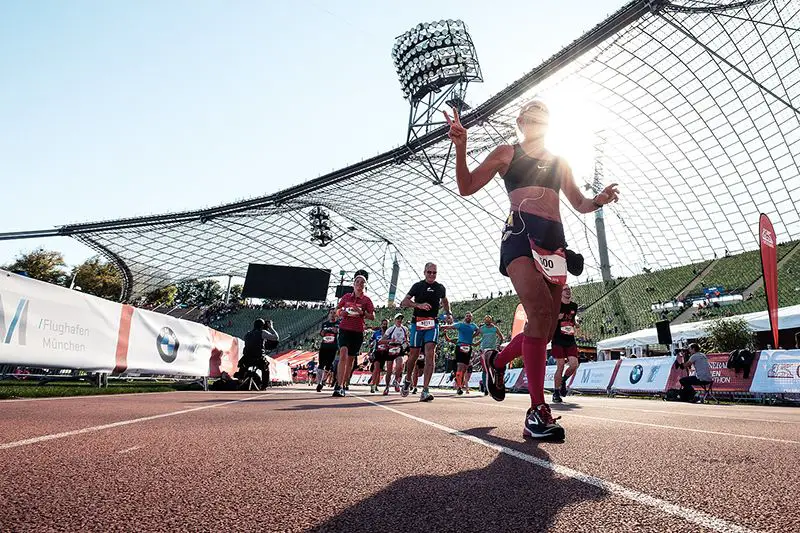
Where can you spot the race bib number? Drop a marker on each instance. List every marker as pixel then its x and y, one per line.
pixel 352 311
pixel 464 348
pixel 328 339
pixel 395 350
pixel 424 324
pixel 568 330
pixel 552 265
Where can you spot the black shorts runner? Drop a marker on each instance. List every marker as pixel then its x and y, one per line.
pixel 352 340
pixel 327 353
pixel 524 228
pixel 463 357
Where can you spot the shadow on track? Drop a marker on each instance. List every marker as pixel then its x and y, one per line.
pixel 507 495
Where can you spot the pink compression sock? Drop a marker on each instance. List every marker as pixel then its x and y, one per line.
pixel 534 353
pixel 510 352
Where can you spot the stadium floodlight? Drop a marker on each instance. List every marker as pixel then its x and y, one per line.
pixel 320 226
pixel 435 62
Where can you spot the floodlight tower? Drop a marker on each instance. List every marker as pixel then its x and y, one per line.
pixel 435 62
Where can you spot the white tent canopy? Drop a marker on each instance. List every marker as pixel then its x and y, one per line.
pixel 788 318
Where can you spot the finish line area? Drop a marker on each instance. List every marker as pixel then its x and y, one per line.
pixel 290 459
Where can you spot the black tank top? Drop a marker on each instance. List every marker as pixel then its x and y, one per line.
pixel 526 171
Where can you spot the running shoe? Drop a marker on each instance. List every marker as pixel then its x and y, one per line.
pixel 466 390
pixel 563 390
pixel 386 391
pixel 396 386
pixel 557 397
pixel 372 389
pixel 540 424
pixel 426 396
pixel 406 389
pixel 319 387
pixel 338 392
pixel 494 376
pixel 414 391
pixel 460 392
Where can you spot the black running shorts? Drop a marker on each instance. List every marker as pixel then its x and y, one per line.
pixel 463 357
pixel 327 353
pixel 352 340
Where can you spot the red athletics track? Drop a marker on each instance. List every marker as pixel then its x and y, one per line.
pixel 293 460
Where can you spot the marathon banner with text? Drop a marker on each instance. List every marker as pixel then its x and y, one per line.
pixel 549 379
pixel 778 372
pixel 595 376
pixel 47 326
pixel 725 379
pixel 643 374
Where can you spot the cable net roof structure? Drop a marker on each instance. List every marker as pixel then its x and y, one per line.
pixel 691 106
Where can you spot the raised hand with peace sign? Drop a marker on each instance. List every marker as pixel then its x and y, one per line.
pixel 457 133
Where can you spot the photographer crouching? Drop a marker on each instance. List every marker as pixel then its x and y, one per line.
pixel 257 343
pixel 702 372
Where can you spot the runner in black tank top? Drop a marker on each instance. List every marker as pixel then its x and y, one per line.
pixel 532 250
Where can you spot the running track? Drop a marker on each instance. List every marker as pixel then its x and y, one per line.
pixel 294 460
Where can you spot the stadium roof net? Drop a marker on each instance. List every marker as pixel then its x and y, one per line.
pixel 691 106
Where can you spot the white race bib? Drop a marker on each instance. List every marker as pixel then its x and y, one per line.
pixel 464 348
pixel 553 265
pixel 426 323
pixel 568 330
pixel 328 339
pixel 395 350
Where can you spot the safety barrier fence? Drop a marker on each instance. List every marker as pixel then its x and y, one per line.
pixel 45 326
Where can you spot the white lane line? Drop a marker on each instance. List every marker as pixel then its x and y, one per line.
pixel 53 436
pixel 677 428
pixel 688 514
pixel 128 450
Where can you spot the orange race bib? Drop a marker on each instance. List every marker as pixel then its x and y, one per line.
pixel 425 323
pixel 552 265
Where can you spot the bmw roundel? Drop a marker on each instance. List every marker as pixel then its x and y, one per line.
pixel 167 344
pixel 636 374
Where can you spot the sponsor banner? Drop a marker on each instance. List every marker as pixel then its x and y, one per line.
pixel 475 380
pixel 769 269
pixel 161 344
pixel 511 378
pixel 778 372
pixel 594 376
pixel 47 326
pixel 725 379
pixel 437 378
pixel 225 352
pixel 300 375
pixel 279 371
pixel 364 379
pixel 643 374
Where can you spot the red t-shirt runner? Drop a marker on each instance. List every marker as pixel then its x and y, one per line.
pixel 351 304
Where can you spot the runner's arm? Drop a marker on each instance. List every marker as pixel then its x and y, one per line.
pixel 471 182
pixel 500 335
pixel 573 194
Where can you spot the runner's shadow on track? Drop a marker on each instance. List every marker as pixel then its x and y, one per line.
pixel 509 494
pixel 564 407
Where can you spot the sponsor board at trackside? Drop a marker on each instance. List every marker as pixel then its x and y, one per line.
pixel 48 326
pixel 644 374
pixel 594 376
pixel 778 371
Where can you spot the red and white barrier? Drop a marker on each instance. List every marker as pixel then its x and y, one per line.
pixel 47 326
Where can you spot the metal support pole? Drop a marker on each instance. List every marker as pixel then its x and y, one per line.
pixel 228 291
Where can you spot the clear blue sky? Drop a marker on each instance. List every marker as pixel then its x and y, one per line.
pixel 114 109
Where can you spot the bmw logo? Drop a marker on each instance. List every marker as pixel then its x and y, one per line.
pixel 636 374
pixel 167 344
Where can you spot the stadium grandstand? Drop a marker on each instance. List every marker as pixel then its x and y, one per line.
pixel 693 110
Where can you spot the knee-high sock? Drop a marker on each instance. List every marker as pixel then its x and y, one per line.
pixel 510 352
pixel 534 353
